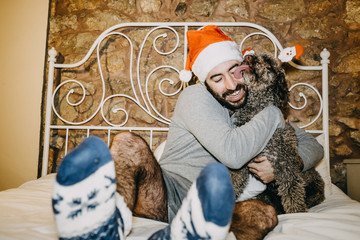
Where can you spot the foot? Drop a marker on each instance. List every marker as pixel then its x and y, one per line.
pixel 85 202
pixel 207 209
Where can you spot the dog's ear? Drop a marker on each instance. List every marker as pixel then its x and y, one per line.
pixel 279 84
pixel 281 89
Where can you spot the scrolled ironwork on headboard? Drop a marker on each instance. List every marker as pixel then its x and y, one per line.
pixel 159 52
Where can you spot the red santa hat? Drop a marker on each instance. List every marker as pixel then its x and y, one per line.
pixel 208 48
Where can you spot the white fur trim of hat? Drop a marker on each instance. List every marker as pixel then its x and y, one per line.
pixel 213 55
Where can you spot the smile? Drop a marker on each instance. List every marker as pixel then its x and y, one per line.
pixel 236 96
pixel 235 93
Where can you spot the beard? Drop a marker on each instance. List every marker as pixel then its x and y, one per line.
pixel 221 98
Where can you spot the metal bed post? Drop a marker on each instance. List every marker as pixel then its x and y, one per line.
pixel 325 54
pixel 52 59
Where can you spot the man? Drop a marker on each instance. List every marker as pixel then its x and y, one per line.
pixel 202 132
pixel 188 176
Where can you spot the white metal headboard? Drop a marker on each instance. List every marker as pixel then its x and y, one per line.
pixel 140 93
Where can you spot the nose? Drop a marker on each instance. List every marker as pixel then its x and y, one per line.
pixel 230 83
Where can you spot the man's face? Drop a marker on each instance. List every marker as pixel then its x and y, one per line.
pixel 229 90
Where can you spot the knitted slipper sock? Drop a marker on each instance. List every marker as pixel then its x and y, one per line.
pixel 207 209
pixel 85 202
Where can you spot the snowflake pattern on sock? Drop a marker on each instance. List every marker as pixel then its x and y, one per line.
pixel 85 202
pixel 206 211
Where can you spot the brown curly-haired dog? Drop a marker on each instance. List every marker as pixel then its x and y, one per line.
pixel 292 190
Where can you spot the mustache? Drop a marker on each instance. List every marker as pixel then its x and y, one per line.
pixel 238 87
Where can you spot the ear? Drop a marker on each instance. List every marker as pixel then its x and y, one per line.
pixel 281 90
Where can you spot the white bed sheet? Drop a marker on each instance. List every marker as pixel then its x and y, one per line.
pixel 25 213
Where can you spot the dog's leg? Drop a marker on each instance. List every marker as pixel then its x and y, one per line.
pixel 239 178
pixel 314 188
pixel 252 220
pixel 270 196
pixel 282 153
pixel 292 193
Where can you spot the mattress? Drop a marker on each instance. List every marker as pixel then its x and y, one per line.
pixel 26 213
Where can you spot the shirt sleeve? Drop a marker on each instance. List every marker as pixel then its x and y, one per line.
pixel 209 122
pixel 310 150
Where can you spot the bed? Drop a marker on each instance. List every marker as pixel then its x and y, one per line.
pixel 128 81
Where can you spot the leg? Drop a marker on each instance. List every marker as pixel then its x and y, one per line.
pixel 253 219
pixel 138 176
pixel 207 209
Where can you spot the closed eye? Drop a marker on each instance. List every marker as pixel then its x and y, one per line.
pixel 216 78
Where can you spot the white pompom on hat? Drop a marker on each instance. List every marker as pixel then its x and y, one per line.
pixel 208 48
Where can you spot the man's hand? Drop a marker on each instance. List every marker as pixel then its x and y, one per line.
pixel 262 169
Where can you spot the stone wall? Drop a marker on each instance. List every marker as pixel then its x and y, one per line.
pixel 315 24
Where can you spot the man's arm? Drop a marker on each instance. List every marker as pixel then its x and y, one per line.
pixel 310 150
pixel 210 123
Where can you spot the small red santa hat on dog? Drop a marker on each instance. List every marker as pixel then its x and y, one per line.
pixel 208 48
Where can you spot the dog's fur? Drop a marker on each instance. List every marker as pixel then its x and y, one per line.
pixel 292 190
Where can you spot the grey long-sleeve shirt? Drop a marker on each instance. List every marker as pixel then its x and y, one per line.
pixel 202 132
